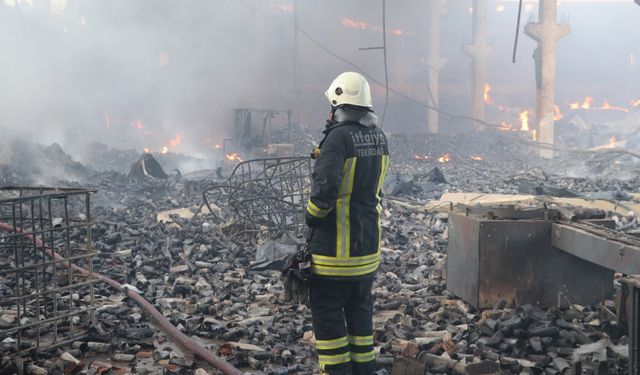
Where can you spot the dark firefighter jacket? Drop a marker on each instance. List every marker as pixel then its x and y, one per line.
pixel 344 208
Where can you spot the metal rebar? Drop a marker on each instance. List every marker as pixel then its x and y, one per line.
pixel 90 251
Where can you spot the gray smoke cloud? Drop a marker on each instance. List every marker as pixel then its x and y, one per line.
pixel 142 73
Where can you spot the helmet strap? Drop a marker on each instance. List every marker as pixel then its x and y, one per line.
pixel 332 114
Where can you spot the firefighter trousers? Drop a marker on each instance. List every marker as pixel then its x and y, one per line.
pixel 342 324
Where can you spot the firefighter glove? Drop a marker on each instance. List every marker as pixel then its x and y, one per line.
pixel 295 277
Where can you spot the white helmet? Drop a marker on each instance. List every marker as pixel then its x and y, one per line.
pixel 349 88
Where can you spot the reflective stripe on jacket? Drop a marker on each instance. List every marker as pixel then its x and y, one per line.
pixel 344 206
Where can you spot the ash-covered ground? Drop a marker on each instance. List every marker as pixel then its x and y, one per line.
pixel 201 278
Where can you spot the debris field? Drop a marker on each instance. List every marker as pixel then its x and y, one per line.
pixel 219 283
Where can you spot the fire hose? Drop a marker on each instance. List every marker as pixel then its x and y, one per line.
pixel 164 324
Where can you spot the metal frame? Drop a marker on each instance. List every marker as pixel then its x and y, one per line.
pixel 269 192
pixel 606 247
pixel 634 331
pixel 36 222
pixel 244 136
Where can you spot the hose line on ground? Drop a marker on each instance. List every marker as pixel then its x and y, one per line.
pixel 164 324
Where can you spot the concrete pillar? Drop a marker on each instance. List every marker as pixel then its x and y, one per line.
pixel 435 62
pixel 546 32
pixel 479 50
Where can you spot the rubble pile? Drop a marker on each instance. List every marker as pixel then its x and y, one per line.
pixel 25 163
pixel 417 318
pixel 153 235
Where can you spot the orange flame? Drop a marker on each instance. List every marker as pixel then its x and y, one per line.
pixel 524 121
pixel 233 157
pixel 476 157
pixel 587 103
pixel 486 94
pixel 165 149
pixel 606 106
pixel 612 141
pixel 176 141
pixel 444 158
pixel 352 24
pixel 505 126
pixel 534 135
pixel 609 107
pixel 557 116
pixel 172 144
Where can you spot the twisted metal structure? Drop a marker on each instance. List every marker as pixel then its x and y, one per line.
pixel 34 288
pixel 270 192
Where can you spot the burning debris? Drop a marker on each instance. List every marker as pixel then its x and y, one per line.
pixel 215 284
pixel 234 157
pixel 588 104
pixel 495 260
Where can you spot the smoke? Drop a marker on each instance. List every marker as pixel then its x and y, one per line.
pixel 142 73
pixel 127 73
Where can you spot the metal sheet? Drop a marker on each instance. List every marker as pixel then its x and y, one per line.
pixel 462 258
pixel 613 255
pixel 508 251
pixel 513 260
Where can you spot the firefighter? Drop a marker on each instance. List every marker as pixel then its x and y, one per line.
pixel 343 215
